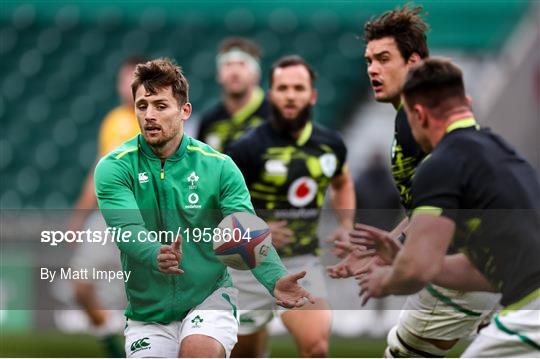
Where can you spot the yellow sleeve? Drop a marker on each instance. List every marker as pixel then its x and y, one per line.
pixel 118 126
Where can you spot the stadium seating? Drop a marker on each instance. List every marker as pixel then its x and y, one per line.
pixel 59 62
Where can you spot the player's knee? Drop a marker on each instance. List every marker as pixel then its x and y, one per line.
pixel 83 291
pixel 405 345
pixel 201 346
pixel 315 348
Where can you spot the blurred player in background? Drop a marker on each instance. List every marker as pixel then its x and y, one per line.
pixel 288 163
pixel 119 125
pixel 433 320
pixel 177 305
pixel 244 104
pixel 474 190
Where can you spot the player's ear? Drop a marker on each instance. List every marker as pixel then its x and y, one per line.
pixel 469 101
pixel 314 95
pixel 414 59
pixel 185 111
pixel 420 115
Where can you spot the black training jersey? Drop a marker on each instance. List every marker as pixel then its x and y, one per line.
pixel 219 128
pixel 406 156
pixel 288 178
pixel 493 195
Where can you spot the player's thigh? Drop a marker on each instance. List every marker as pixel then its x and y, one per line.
pixel 445 315
pixel 216 317
pixel 513 333
pixel 151 340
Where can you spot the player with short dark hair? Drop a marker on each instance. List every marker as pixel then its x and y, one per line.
pixel 433 320
pixel 475 192
pixel 288 163
pixel 163 180
pixel 244 104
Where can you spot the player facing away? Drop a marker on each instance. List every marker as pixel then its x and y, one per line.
pixel 475 192
pixel 244 104
pixel 119 125
pixel 433 320
pixel 288 163
pixel 180 296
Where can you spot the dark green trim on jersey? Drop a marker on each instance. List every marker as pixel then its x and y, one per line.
pixel 521 337
pixel 446 300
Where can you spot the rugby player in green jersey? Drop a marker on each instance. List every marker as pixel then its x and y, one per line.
pixel 433 320
pixel 475 192
pixel 180 296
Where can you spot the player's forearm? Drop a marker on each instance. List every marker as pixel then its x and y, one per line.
pixel 343 202
pixel 270 270
pixel 403 280
pixel 459 273
pixel 400 228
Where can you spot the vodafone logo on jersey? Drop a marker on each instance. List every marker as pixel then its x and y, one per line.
pixel 302 191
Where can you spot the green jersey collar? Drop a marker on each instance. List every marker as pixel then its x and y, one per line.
pixel 147 150
pixel 463 123
pixel 249 108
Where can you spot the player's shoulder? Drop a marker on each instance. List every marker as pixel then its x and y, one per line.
pixel 253 137
pixel 124 152
pixel 203 152
pixel 215 113
pixel 327 136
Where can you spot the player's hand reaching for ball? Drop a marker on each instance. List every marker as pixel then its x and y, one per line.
pixel 339 239
pixel 170 256
pixel 374 241
pixel 290 294
pixel 371 281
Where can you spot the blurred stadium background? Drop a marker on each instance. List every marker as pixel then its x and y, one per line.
pixel 58 66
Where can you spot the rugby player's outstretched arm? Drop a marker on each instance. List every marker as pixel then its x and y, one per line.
pixel 421 258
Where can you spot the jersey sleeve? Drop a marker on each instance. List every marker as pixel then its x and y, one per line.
pixel 240 154
pixel 234 197
pixel 341 154
pixel 436 187
pixel 117 203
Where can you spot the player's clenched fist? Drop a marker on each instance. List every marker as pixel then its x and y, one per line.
pixel 170 256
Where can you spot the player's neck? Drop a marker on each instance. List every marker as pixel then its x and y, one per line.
pixel 234 104
pixel 450 118
pixel 168 149
pixel 396 102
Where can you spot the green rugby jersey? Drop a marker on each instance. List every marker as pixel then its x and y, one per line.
pixel 219 128
pixel 194 188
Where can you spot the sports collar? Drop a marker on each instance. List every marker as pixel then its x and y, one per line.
pixel 257 97
pixel 463 123
pixel 147 150
pixel 305 134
